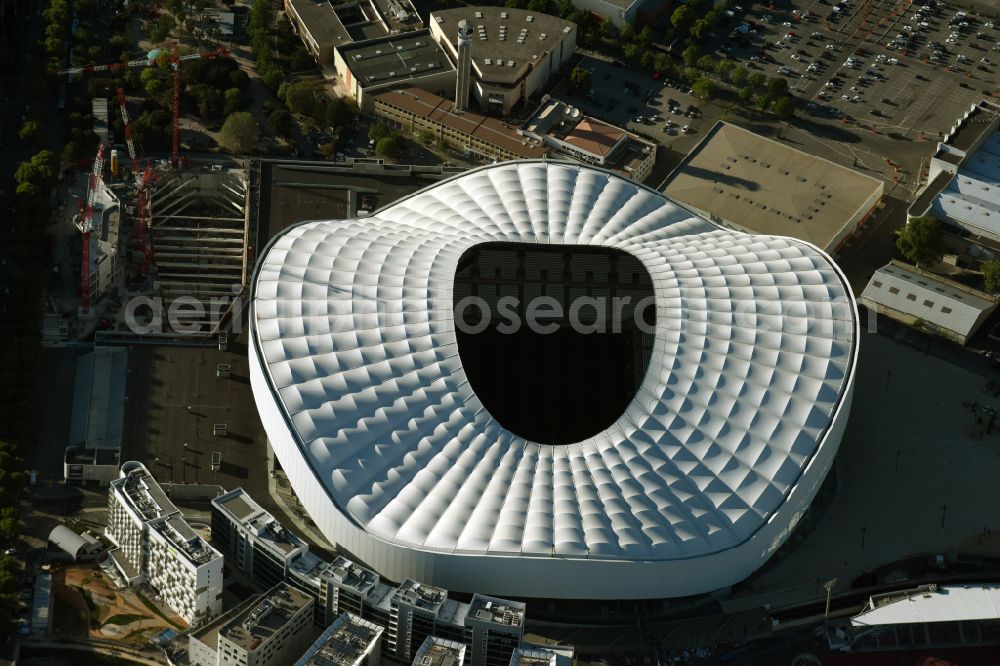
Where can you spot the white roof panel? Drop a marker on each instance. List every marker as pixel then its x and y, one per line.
pixel 753 353
pixel 949 603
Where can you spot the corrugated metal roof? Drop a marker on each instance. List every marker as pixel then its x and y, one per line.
pixel 918 295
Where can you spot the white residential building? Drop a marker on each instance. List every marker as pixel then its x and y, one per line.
pixel 156 547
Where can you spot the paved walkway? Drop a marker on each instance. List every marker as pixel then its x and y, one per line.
pixel 912 476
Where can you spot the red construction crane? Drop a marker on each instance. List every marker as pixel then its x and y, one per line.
pixel 133 160
pixel 153 57
pixel 142 218
pixel 86 224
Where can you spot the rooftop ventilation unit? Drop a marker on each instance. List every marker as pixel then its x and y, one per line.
pixel 439 19
pixel 503 15
pixel 529 18
pixel 479 15
pixel 510 63
pixel 488 61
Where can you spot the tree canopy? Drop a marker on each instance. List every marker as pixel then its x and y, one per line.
pixel 991 276
pixel 239 133
pixel 921 240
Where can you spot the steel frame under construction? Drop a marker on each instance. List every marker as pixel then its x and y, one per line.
pixel 199 223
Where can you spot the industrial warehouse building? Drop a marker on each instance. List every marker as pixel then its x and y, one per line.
pixel 962 178
pixel 514 52
pixel 745 181
pixel 931 302
pixel 692 479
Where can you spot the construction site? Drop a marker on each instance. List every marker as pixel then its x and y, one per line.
pixel 166 245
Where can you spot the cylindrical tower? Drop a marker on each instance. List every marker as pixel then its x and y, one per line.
pixel 463 78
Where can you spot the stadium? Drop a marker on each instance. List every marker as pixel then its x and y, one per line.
pixel 667 453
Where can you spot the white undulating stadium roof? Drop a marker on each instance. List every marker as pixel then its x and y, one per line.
pixel 358 379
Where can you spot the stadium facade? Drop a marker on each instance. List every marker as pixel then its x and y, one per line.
pixel 357 376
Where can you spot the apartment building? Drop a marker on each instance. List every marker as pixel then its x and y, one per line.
pixel 258 545
pixel 494 629
pixel 350 641
pixel 271 629
pixel 157 548
pixel 437 651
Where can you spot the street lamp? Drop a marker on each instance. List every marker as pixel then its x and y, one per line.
pixel 828 586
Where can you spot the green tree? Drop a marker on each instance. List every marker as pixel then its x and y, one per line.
pixel 579 80
pixel 389 146
pixel 777 86
pixel 739 75
pixel 706 63
pixel 208 99
pixel 991 276
pixel 703 89
pixel 646 36
pixel 746 93
pixel 340 112
pixel 425 137
pixel 239 133
pixel 763 102
pixel 280 122
pixel 662 62
pixel 152 82
pixel 691 54
pixel 682 18
pixel 29 131
pixel 632 53
pixel 10 524
pixel 921 240
pixel 784 107
pixel 627 33
pixel 161 31
pixel 301 97
pixel 724 68
pixel 756 80
pixel 40 171
pixel 232 100
pixel 378 131
pixel 700 29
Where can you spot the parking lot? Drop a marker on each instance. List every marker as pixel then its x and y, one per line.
pixel 881 63
pixel 658 108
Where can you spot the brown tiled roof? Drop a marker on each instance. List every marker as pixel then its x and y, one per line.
pixel 428 105
pixel 595 137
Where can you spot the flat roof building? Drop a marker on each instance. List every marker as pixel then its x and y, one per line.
pixel 514 52
pixel 270 629
pixel 417 109
pixel 930 302
pixel 324 25
pixel 97 420
pixel 619 12
pixel 926 616
pixel 157 548
pixel 410 58
pixel 435 651
pixel 570 133
pixel 495 628
pixel 745 181
pixel 350 641
pixel 261 548
pixel 532 655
